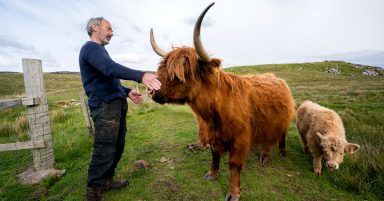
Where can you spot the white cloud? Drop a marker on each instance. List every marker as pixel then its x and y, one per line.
pixel 129 58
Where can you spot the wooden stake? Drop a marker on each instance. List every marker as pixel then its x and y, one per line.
pixel 86 114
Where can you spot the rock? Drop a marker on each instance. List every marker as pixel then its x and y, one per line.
pixel 194 147
pixel 334 70
pixel 163 159
pixel 358 66
pixel 141 164
pixel 370 73
pixel 31 176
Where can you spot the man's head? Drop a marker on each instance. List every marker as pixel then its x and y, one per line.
pixel 99 30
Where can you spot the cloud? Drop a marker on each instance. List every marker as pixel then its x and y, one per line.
pixel 7 41
pixel 129 58
pixel 123 42
pixel 136 28
pixel 207 22
pixel 12 51
pixel 10 43
pixel 10 48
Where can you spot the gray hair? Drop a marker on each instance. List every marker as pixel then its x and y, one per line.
pixel 93 21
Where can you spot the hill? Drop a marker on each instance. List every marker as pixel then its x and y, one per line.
pixel 160 136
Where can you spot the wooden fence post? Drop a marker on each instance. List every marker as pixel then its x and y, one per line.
pixel 86 114
pixel 39 125
pixel 40 128
pixel 146 98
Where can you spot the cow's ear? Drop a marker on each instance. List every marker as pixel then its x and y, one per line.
pixel 323 140
pixel 179 73
pixel 321 137
pixel 216 63
pixel 351 148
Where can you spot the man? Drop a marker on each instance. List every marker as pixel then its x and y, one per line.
pixel 108 105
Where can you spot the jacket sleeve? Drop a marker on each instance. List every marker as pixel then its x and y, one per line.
pixel 126 89
pixel 99 58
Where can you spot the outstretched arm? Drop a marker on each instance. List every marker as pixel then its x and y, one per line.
pixel 98 57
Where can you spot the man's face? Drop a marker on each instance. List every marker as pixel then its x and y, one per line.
pixel 103 32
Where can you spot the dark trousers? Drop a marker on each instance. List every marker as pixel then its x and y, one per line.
pixel 109 140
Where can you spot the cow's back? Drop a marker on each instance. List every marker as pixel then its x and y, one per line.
pixel 272 106
pixel 313 118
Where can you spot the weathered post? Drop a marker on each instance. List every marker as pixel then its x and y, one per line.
pixel 40 128
pixel 39 125
pixel 86 114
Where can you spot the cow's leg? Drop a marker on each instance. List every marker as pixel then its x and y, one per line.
pixel 303 134
pixel 264 154
pixel 283 152
pixel 215 164
pixel 236 161
pixel 203 131
pixel 304 143
pixel 317 163
pixel 304 146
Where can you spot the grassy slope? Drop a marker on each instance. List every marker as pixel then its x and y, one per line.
pixel 156 131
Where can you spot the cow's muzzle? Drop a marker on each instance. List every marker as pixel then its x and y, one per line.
pixel 150 93
pixel 332 165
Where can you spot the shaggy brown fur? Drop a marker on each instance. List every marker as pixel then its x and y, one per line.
pixel 234 112
pixel 322 133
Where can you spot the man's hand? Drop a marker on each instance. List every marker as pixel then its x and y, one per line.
pixel 135 97
pixel 151 81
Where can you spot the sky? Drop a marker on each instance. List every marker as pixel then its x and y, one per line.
pixel 241 32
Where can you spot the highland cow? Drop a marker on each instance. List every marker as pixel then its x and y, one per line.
pixel 234 113
pixel 322 134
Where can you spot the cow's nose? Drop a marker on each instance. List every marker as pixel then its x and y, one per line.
pixel 332 165
pixel 151 92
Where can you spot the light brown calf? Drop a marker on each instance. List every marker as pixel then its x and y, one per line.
pixel 322 134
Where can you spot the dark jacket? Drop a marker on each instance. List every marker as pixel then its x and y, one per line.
pixel 101 75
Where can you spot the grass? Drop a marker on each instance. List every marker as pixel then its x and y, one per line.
pixel 156 131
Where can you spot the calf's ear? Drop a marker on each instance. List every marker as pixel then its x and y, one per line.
pixel 321 137
pixel 323 140
pixel 351 148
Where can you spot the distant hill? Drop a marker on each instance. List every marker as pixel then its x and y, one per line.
pixel 8 72
pixel 64 72
pixel 369 57
pixel 57 72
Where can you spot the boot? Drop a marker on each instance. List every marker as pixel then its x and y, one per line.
pixel 112 185
pixel 94 194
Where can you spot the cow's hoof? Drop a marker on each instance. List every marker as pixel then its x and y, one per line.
pixel 317 172
pixel 209 177
pixel 230 197
pixel 264 159
pixel 283 153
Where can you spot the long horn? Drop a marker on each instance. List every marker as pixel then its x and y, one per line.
pixel 156 48
pixel 196 37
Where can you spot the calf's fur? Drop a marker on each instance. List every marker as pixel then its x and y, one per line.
pixel 322 134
